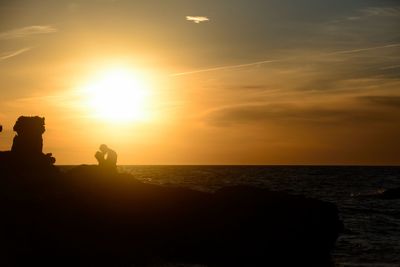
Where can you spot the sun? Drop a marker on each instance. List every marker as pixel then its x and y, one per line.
pixel 119 95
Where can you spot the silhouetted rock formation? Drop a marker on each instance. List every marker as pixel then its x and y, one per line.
pixel 26 151
pixel 89 216
pixel 93 217
pixel 28 140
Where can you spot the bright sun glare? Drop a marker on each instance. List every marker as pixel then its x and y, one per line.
pixel 119 95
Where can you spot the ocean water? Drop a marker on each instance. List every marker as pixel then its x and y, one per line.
pixel 372 235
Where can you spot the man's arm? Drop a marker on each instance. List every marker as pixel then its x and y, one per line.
pixel 100 157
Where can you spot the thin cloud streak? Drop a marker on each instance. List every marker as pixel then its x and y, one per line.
pixel 13 54
pixel 281 60
pixel 374 12
pixel 391 67
pixel 27 31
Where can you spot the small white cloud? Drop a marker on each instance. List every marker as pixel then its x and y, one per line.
pixel 26 31
pixel 197 19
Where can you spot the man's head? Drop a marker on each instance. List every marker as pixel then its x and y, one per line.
pixel 103 148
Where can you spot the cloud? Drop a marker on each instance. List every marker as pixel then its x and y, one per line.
pixel 351 18
pixel 13 54
pixel 374 12
pixel 382 11
pixel 287 113
pixel 27 31
pixel 252 87
pixel 391 67
pixel 387 101
pixel 197 19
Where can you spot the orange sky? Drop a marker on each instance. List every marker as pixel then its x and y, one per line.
pixel 232 82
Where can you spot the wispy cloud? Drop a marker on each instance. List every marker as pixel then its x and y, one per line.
pixel 371 12
pixel 381 11
pixel 391 67
pixel 27 31
pixel 7 55
pixel 388 101
pixel 290 113
pixel 374 12
pixel 197 19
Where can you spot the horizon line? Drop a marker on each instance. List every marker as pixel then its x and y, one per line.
pixel 266 165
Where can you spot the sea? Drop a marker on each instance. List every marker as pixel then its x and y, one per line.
pixel 372 226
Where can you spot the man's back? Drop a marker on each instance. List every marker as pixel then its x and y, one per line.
pixel 111 159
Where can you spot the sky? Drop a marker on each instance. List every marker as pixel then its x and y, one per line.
pixel 214 81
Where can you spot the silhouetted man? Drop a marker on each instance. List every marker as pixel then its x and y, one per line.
pixel 106 157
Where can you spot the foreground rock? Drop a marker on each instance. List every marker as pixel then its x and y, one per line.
pixel 88 216
pixel 93 216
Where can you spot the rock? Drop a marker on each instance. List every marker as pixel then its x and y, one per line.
pixel 98 217
pixel 26 152
pixel 28 140
pixel 89 216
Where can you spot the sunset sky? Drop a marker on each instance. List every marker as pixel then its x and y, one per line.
pixel 205 81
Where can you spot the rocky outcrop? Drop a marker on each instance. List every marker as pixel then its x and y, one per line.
pixel 94 217
pixel 27 149
pixel 110 219
pixel 28 140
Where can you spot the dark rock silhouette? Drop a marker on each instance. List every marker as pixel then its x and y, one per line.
pixel 26 153
pixel 90 216
pixel 106 157
pixel 28 140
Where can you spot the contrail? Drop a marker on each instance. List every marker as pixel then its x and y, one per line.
pixel 281 60
pixel 228 67
pixel 363 49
